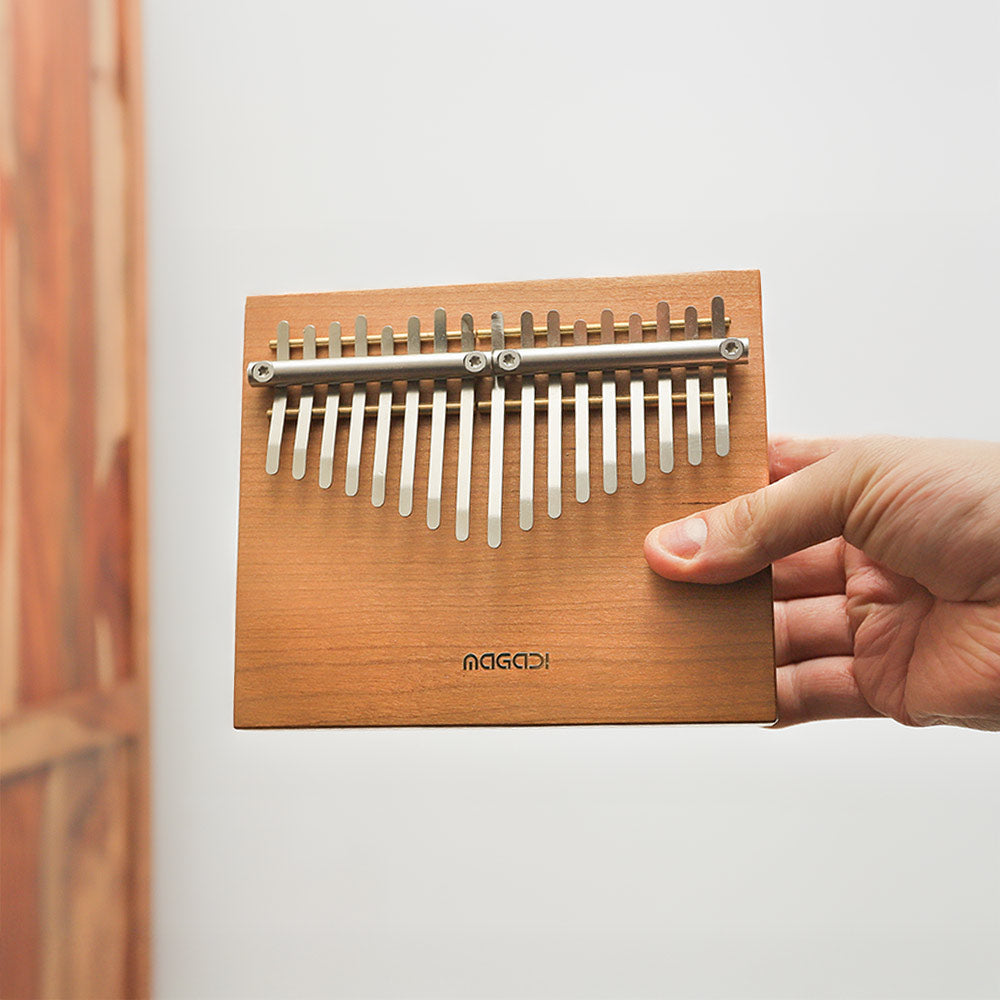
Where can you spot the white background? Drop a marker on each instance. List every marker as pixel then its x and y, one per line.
pixel 851 152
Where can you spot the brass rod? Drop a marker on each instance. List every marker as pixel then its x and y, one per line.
pixel 541 403
pixel 399 336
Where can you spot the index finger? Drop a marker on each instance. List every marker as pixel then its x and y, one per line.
pixel 789 454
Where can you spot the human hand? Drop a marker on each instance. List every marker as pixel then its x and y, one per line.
pixel 886 557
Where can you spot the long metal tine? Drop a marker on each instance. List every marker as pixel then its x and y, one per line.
pixel 406 470
pixel 494 504
pixel 304 421
pixel 329 438
pixel 720 382
pixel 664 388
pixel 637 409
pixel 467 402
pixel 609 412
pixel 555 422
pixel 693 387
pixel 357 425
pixel 382 424
pixel 277 428
pixel 527 506
pixel 581 419
pixel 435 468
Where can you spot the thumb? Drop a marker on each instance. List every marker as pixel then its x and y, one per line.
pixel 743 536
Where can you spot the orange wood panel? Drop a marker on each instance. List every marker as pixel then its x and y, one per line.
pixel 349 614
pixel 73 604
pixel 21 801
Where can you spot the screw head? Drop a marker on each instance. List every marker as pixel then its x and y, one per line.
pixel 263 371
pixel 475 362
pixel 508 360
pixel 731 349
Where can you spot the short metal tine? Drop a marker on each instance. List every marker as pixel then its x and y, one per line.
pixel 609 411
pixel 304 421
pixel 720 382
pixel 467 404
pixel 357 425
pixel 555 422
pixel 527 511
pixel 637 409
pixel 664 389
pixel 692 382
pixel 435 468
pixel 382 424
pixel 581 419
pixel 278 406
pixel 497 409
pixel 410 415
pixel 329 438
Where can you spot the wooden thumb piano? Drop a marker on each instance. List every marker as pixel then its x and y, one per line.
pixel 444 493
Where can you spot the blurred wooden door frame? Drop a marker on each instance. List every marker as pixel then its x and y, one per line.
pixel 74 747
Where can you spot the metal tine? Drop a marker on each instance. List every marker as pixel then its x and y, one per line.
pixel 357 425
pixel 609 411
pixel 637 409
pixel 692 383
pixel 304 421
pixel 277 428
pixel 720 382
pixel 329 437
pixel 382 424
pixel 435 468
pixel 581 419
pixel 497 409
pixel 527 511
pixel 555 422
pixel 665 391
pixel 410 413
pixel 467 402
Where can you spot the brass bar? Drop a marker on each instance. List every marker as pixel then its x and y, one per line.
pixel 483 405
pixel 510 332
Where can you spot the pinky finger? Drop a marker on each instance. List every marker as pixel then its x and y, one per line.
pixel 823 688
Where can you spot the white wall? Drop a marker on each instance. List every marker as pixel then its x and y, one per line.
pixel 851 152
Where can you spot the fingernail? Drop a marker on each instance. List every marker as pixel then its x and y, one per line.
pixel 683 538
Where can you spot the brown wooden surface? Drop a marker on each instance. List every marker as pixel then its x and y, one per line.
pixel 73 681
pixel 353 615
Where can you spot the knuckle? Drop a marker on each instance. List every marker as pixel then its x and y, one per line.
pixel 744 515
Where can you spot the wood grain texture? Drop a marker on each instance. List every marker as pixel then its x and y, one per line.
pixel 73 605
pixel 352 615
pixel 21 801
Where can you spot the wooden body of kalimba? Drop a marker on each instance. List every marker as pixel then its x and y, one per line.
pixel 350 613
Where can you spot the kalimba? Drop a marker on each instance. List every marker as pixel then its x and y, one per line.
pixel 444 493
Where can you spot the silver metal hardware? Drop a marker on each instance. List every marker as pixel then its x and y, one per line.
pixel 720 385
pixel 408 466
pixel 466 410
pixel 637 411
pixel 357 425
pixel 494 501
pixel 450 379
pixel 581 419
pixel 503 361
pixel 382 428
pixel 329 438
pixel 305 409
pixel 693 385
pixel 609 412
pixel 526 515
pixel 664 391
pixel 554 335
pixel 278 406
pixel 435 467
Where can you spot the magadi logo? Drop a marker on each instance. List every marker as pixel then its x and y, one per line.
pixel 506 661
